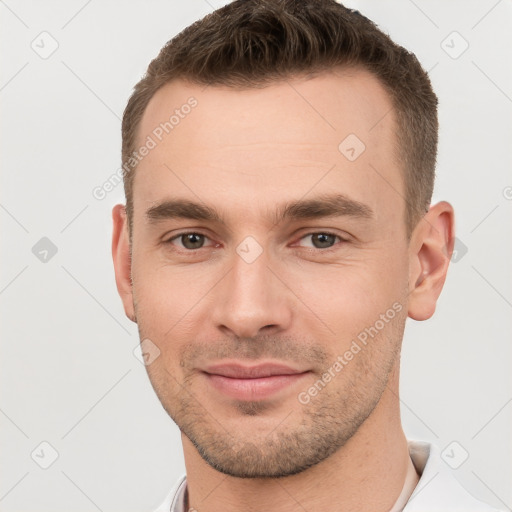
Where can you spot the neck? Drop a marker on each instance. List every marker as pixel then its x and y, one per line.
pixel 366 474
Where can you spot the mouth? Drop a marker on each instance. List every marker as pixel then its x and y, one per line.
pixel 252 382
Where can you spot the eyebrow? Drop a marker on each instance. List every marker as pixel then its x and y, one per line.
pixel 327 205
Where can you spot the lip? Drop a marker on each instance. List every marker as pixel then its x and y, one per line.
pixel 239 371
pixel 252 382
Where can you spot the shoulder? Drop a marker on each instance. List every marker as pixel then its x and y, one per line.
pixel 438 490
pixel 174 501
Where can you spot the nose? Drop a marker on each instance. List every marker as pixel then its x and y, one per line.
pixel 252 300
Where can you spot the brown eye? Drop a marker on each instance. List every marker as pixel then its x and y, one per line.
pixel 323 240
pixel 192 240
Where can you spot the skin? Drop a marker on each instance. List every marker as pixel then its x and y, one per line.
pixel 245 153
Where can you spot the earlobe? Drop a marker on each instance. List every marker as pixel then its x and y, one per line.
pixel 122 259
pixel 430 251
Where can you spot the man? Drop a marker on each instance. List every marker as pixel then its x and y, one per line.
pixel 279 164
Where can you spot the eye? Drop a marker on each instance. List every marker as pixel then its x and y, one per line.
pixel 189 241
pixel 322 240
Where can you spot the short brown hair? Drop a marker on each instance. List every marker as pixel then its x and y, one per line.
pixel 254 43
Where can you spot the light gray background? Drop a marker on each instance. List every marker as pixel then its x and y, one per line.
pixel 68 373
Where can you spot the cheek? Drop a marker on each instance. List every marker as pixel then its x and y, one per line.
pixel 172 302
pixel 160 289
pixel 347 299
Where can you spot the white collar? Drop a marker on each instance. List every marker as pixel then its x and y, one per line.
pixel 437 489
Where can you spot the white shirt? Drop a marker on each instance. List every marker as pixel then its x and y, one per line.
pixel 437 490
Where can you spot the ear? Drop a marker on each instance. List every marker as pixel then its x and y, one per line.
pixel 122 259
pixel 430 251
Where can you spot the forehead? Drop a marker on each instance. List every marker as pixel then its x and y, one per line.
pixel 343 99
pixel 334 131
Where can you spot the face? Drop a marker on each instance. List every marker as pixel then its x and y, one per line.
pixel 270 265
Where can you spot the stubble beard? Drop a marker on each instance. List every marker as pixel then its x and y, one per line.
pixel 317 430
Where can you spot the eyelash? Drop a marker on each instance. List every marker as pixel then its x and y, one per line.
pixel 327 249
